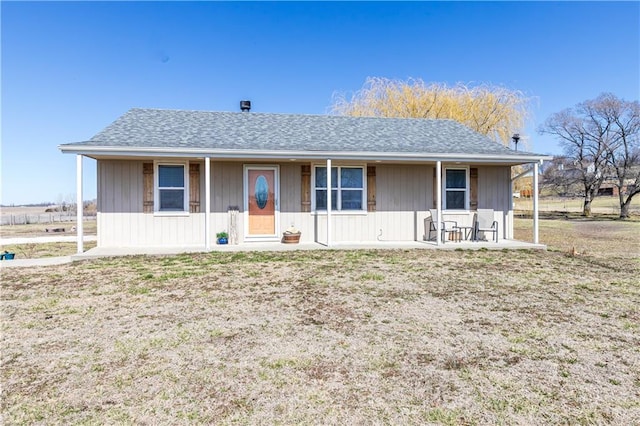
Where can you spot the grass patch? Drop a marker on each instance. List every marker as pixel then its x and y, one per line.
pixel 40 250
pixel 339 337
pixel 371 276
pixel 39 229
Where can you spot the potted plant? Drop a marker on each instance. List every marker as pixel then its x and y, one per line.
pixel 222 237
pixel 291 235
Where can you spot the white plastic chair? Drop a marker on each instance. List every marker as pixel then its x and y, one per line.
pixel 485 223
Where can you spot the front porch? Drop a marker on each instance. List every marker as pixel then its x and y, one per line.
pixel 396 203
pixel 99 252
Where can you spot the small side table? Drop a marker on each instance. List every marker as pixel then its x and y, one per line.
pixel 455 235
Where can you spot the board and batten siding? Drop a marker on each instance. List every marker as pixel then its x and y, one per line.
pixel 227 189
pixel 404 195
pixel 494 192
pixel 121 221
pixel 226 193
pixel 402 201
pixel 291 202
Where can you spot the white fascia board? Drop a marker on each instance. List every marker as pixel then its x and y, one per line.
pixel 299 155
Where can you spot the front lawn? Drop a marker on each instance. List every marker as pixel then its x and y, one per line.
pixel 331 337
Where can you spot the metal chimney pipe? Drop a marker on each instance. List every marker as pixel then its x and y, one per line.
pixel 245 106
pixel 516 139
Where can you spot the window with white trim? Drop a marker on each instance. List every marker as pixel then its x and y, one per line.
pixel 171 192
pixel 456 189
pixel 347 188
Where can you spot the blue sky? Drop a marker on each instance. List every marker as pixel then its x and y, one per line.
pixel 71 68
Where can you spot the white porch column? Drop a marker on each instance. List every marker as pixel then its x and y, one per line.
pixel 535 203
pixel 79 204
pixel 438 200
pixel 328 202
pixel 207 203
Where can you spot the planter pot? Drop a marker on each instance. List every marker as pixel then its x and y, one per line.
pixel 223 240
pixel 291 238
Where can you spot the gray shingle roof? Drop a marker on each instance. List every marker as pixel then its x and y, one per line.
pixel 166 129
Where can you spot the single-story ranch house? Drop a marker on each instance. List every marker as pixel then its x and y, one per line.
pixel 176 178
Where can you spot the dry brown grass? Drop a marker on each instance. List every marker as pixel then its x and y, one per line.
pixel 604 205
pixel 331 337
pixel 599 238
pixel 40 250
pixel 39 229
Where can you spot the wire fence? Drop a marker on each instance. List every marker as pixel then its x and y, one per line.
pixel 55 217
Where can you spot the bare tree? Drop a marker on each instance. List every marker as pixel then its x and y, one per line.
pixel 585 138
pixel 70 200
pixel 60 201
pixel 494 111
pixel 560 176
pixel 600 136
pixel 623 148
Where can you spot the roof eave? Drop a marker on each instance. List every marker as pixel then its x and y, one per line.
pixel 97 151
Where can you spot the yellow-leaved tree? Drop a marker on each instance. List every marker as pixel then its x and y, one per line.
pixel 494 111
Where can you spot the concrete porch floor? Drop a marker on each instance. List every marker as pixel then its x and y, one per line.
pixel 98 252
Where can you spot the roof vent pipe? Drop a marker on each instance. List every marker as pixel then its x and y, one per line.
pixel 516 139
pixel 245 106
